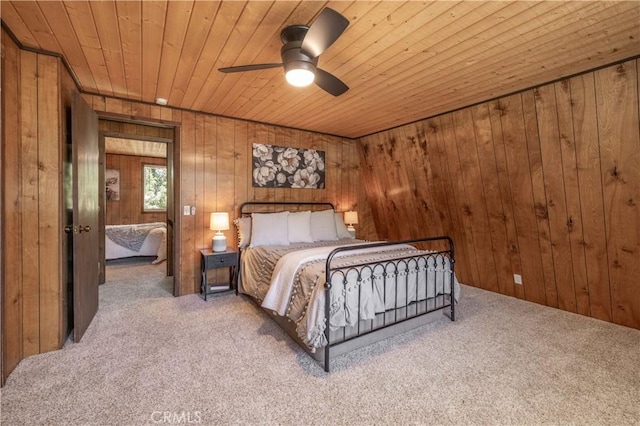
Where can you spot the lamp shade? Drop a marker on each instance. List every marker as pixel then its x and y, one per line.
pixel 219 221
pixel 351 218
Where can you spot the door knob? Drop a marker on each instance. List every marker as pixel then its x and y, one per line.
pixel 69 229
pixel 84 228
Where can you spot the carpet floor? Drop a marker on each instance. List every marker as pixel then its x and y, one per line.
pixel 150 358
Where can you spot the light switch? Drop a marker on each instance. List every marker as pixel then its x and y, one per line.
pixel 186 210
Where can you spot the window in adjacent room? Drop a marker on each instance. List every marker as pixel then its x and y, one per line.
pixel 154 183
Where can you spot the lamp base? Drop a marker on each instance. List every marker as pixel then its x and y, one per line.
pixel 219 242
pixel 351 230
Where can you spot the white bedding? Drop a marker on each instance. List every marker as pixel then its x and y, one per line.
pixel 155 244
pixel 302 271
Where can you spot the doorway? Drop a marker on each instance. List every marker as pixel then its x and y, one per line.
pixel 136 165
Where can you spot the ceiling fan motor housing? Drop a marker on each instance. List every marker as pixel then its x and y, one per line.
pixel 292 57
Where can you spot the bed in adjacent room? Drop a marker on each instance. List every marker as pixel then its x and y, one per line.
pixel 144 239
pixel 375 289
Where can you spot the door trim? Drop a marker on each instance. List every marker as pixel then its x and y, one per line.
pixel 173 164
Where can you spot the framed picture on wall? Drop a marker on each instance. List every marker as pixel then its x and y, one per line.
pixel 112 184
pixel 285 167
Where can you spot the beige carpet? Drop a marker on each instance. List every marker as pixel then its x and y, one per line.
pixel 149 358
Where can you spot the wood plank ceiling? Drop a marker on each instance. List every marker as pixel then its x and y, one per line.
pixel 403 61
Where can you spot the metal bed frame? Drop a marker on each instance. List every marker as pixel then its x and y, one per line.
pixel 401 318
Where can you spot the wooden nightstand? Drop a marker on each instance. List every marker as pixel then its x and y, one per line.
pixel 214 260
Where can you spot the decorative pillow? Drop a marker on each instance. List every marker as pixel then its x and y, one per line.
pixel 341 228
pixel 300 227
pixel 269 229
pixel 323 226
pixel 244 231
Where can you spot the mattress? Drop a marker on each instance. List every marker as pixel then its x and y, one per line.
pixel 289 282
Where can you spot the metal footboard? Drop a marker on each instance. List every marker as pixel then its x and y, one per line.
pixel 431 267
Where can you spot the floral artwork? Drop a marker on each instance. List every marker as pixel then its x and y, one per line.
pixel 281 167
pixel 112 183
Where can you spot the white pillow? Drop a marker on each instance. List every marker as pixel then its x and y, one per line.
pixel 244 231
pixel 323 226
pixel 269 229
pixel 300 227
pixel 341 228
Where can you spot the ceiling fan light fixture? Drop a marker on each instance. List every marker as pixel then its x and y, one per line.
pixel 299 77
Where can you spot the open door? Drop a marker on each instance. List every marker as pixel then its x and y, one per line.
pixel 86 187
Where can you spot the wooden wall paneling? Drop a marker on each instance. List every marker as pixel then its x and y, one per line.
pixel 349 194
pixel 371 190
pixel 205 187
pixel 515 144
pixel 574 224
pixel 421 185
pixel 540 197
pixel 334 173
pixel 112 208
pixel 440 222
pixel 475 206
pixel 241 173
pixel 447 129
pixel 12 286
pixel 187 198
pixel 127 177
pixel 505 196
pixel 136 188
pixel 383 198
pixel 375 182
pixel 98 103
pixel 617 112
pixel 556 208
pixel 251 138
pixel 262 137
pixel 225 131
pixel 283 137
pixel 435 146
pixel 129 209
pixel 493 198
pixel 400 190
pixel 49 201
pixel 585 129
pixel 29 194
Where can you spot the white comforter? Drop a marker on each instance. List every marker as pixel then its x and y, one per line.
pixel 155 244
pixel 373 293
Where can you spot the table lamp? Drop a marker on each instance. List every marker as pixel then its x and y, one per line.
pixel 219 222
pixel 351 218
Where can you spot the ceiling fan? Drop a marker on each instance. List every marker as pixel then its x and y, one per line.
pixel 302 45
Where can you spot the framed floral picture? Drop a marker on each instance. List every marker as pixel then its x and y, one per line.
pixel 112 184
pixel 282 167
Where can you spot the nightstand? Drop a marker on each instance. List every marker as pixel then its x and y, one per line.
pixel 213 260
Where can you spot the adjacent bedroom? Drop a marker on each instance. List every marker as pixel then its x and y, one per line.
pixel 135 213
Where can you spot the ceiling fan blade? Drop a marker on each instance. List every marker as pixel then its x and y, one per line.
pixel 330 83
pixel 254 67
pixel 324 31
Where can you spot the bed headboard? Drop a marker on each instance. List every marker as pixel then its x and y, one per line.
pixel 273 206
